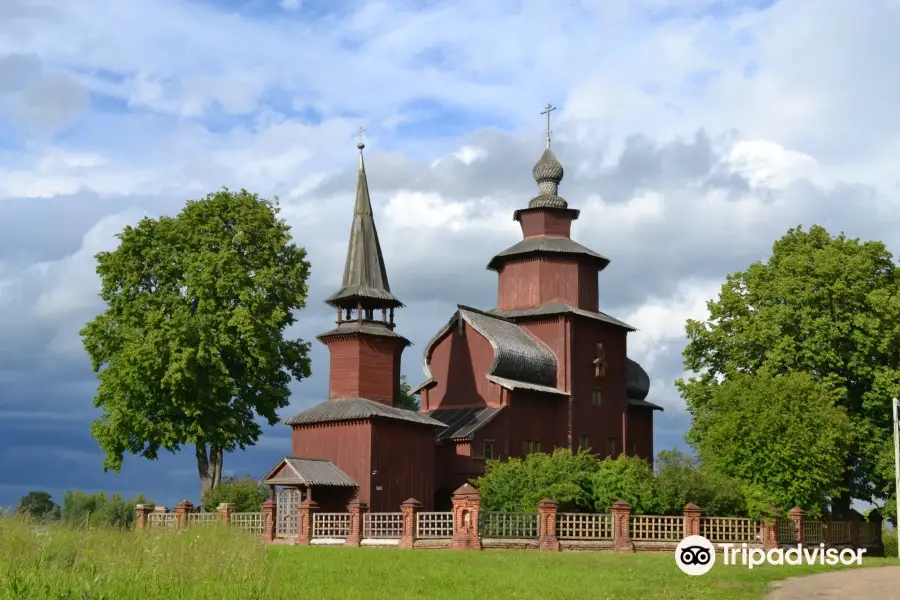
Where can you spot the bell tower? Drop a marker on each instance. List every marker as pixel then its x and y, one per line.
pixel 365 351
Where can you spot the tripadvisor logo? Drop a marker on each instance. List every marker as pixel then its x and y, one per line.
pixel 696 555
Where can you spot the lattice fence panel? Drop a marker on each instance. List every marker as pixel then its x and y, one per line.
pixel 784 531
pixel 656 528
pixel 505 525
pixel 161 521
pixel 287 522
pixel 839 532
pixel 866 532
pixel 383 525
pixel 331 525
pixel 812 532
pixel 584 526
pixel 434 525
pixel 729 529
pixel 251 522
pixel 203 519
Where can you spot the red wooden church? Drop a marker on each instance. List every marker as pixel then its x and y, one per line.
pixel 544 369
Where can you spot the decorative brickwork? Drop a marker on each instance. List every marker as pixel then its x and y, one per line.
pixel 768 533
pixel 466 507
pixel 270 514
pixel 225 511
pixel 410 510
pixel 307 510
pixel 546 514
pixel 691 519
pixel 621 512
pixel 357 514
pixel 142 510
pixel 182 510
pixel 797 516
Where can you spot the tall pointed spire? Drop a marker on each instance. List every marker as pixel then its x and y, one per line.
pixel 365 281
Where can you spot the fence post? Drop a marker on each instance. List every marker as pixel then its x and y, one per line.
pixel 410 510
pixel 768 528
pixel 798 515
pixel 270 515
pixel 691 515
pixel 826 531
pixel 225 510
pixel 876 520
pixel 141 512
pixel 306 511
pixel 546 514
pixel 358 512
pixel 621 514
pixel 182 510
pixel 466 506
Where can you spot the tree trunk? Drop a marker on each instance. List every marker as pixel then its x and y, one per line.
pixel 209 467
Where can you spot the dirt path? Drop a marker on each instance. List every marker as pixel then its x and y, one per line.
pixel 878 583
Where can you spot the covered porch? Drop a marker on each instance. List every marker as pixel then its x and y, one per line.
pixel 295 481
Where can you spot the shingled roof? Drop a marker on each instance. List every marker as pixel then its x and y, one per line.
pixel 559 308
pixel 365 277
pixel 369 327
pixel 356 409
pixel 307 472
pixel 548 245
pixel 463 422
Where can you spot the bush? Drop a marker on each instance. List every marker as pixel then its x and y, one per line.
pixel 680 479
pixel 889 538
pixel 38 506
pixel 245 493
pixel 97 509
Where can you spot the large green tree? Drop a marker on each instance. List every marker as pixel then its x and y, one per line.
pixel 191 348
pixel 38 505
pixel 822 305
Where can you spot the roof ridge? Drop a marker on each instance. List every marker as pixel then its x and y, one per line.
pixel 478 311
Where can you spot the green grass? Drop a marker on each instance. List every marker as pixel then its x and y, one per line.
pixel 219 564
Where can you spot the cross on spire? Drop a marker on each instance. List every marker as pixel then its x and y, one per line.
pixel 547 110
pixel 362 143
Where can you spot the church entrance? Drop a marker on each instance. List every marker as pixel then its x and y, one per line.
pixel 288 500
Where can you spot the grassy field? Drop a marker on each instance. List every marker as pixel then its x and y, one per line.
pixel 219 564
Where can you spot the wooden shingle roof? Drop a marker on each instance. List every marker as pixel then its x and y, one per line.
pixel 356 409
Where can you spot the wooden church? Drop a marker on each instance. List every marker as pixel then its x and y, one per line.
pixel 544 369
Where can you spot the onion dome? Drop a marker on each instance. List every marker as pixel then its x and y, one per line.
pixel 548 173
pixel 638 381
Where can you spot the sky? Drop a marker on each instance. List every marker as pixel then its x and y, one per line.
pixel 694 133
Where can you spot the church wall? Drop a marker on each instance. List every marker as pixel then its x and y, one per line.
pixel 552 333
pixel 602 422
pixel 640 431
pixel 403 460
pixel 545 222
pixel 364 367
pixel 460 462
pixel 347 444
pixel 537 281
pixel 459 365
pixel 536 416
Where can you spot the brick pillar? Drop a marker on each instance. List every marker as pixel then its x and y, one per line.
pixel 466 506
pixel 621 514
pixel 270 517
pixel 306 511
pixel 410 510
pixel 768 528
pixel 691 515
pixel 225 510
pixel 182 510
pixel 798 515
pixel 358 512
pixel 141 512
pixel 546 514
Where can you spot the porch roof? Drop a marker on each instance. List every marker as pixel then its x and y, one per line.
pixel 307 472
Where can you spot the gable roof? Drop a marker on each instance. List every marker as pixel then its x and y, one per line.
pixel 463 422
pixel 307 472
pixel 356 409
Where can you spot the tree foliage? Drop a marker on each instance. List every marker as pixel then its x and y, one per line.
pixel 822 306
pixel 245 493
pixel 79 508
pixel 191 347
pixel 38 505
pixel 407 400
pixel 680 479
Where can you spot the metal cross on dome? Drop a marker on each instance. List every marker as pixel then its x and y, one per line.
pixel 547 110
pixel 600 362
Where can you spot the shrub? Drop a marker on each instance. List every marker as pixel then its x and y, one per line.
pixel 889 538
pixel 245 493
pixel 99 510
pixel 38 506
pixel 679 479
pixel 627 478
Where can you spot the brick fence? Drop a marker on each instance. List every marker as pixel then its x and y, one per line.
pixel 469 527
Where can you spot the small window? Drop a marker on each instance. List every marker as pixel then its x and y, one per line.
pixel 532 447
pixel 611 446
pixel 583 441
pixel 598 397
pixel 488 450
